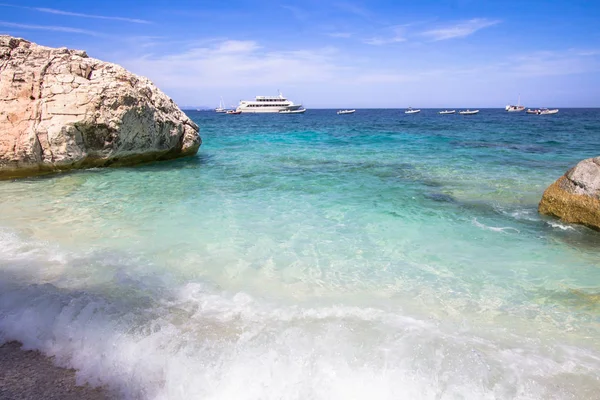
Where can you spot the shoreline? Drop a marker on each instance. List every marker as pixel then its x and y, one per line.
pixel 28 374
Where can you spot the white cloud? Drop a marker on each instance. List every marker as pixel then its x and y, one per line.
pixel 379 41
pixel 383 77
pixel 76 14
pixel 587 53
pixel 298 13
pixel 395 34
pixel 50 28
pixel 342 35
pixel 354 9
pixel 459 30
pixel 549 63
pixel 82 15
pixel 236 64
pixel 237 46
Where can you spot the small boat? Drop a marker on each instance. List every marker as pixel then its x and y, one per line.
pixel 341 112
pixel 233 112
pixel 543 111
pixel 410 110
pixel 468 112
pixel 221 109
pixel 300 111
pixel 447 112
pixel 517 108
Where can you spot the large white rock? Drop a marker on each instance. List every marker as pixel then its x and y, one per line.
pixel 60 109
pixel 575 197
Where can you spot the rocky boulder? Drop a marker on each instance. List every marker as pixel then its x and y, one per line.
pixel 575 197
pixel 60 109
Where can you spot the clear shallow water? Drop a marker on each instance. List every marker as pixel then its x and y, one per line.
pixel 316 256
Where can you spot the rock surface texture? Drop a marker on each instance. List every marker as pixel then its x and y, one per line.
pixel 575 197
pixel 60 109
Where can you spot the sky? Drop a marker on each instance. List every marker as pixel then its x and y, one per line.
pixel 333 54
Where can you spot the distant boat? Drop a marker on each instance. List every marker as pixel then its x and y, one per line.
pixel 546 111
pixel 410 110
pixel 543 111
pixel 221 109
pixel 517 108
pixel 447 112
pixel 468 112
pixel 233 112
pixel 341 112
pixel 268 104
pixel 300 111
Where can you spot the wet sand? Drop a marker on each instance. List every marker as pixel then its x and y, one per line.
pixel 31 375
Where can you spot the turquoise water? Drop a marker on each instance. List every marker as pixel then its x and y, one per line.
pixel 375 255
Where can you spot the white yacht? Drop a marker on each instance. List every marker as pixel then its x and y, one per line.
pixel 517 108
pixel 221 109
pixel 342 112
pixel 411 110
pixel 268 104
pixel 447 112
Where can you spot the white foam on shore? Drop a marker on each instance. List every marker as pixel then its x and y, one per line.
pixel 561 226
pixel 523 214
pixel 493 228
pixel 234 347
pixel 151 338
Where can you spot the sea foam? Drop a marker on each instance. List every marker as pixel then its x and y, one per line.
pixel 197 341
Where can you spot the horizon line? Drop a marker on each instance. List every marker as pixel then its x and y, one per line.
pixel 186 107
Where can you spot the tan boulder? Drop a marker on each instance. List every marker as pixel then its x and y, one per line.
pixel 575 197
pixel 60 109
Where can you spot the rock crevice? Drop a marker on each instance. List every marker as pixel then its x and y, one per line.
pixel 60 109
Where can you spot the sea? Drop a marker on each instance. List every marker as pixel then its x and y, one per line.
pixel 376 255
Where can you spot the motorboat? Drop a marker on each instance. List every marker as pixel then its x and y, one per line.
pixel 447 112
pixel 468 112
pixel 300 111
pixel 268 104
pixel 543 111
pixel 341 112
pixel 546 111
pixel 221 109
pixel 233 112
pixel 517 108
pixel 411 110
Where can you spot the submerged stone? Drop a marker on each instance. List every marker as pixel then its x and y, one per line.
pixel 440 197
pixel 575 197
pixel 60 109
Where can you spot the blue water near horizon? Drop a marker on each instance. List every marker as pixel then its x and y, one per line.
pixel 373 255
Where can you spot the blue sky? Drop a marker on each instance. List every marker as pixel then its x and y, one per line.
pixel 424 53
